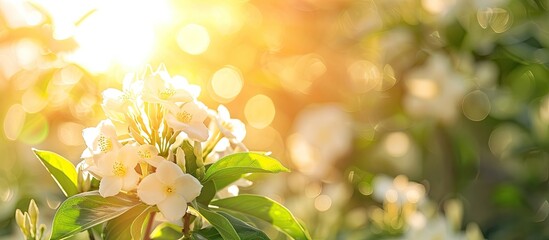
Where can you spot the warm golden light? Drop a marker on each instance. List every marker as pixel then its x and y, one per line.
pixel 259 111
pixel 364 75
pixel 323 203
pixel 193 39
pixel 397 144
pixel 13 123
pixel 119 34
pixel 423 88
pixel 227 83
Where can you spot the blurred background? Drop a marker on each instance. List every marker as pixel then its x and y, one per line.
pixel 401 119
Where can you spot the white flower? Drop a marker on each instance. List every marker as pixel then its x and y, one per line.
pixel 323 134
pixel 234 188
pixel 398 190
pixel 435 90
pixel 149 154
pixel 101 139
pixel 232 129
pixel 117 104
pixel 189 118
pixel 433 229
pixel 160 87
pixel 170 189
pixel 117 170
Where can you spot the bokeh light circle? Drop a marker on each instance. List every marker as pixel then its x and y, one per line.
pixel 227 83
pixel 259 111
pixel 193 39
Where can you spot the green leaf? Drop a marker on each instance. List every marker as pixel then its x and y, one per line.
pixel 265 209
pixel 83 211
pixel 220 223
pixel 244 231
pixel 220 183
pixel 241 163
pixel 128 225
pixel 207 194
pixel 61 169
pixel 167 231
pixel 190 158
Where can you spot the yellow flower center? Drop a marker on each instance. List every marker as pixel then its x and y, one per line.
pixel 127 96
pixel 169 190
pixel 104 143
pixel 166 93
pixel 144 154
pixel 119 169
pixel 184 117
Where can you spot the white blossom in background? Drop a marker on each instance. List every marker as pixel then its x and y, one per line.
pixel 433 229
pixel 398 189
pixel 227 137
pixel 323 134
pixel 407 210
pixel 435 90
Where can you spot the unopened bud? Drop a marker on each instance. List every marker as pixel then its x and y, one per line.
pixel 180 158
pixel 83 177
pixel 20 219
pixel 28 222
pixel 33 215
pixel 198 154
pixel 41 231
pixel 472 232
pixel 454 212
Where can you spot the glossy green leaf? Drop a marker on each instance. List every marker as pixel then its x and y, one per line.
pixel 265 209
pixel 128 225
pixel 244 231
pixel 83 211
pixel 220 183
pixel 241 163
pixel 207 194
pixel 61 169
pixel 190 158
pixel 167 231
pixel 220 223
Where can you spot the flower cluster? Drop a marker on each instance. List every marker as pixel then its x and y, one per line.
pixel 138 148
pixel 409 214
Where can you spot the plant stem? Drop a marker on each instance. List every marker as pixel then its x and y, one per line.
pixel 149 226
pixel 90 234
pixel 186 225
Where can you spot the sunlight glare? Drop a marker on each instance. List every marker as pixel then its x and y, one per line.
pixel 106 38
pixel 193 39
pixel 423 88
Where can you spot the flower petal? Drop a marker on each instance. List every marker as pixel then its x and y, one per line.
pixel 110 186
pixel 106 162
pixel 168 172
pixel 90 135
pixel 130 180
pixel 188 187
pixel 151 190
pixel 173 207
pixel 128 155
pixel 155 161
pixel 197 132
